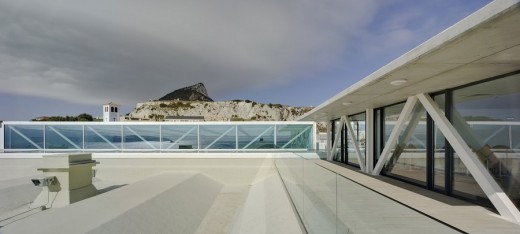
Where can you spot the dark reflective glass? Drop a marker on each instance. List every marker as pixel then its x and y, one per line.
pixel 408 159
pixel 486 116
pixel 64 137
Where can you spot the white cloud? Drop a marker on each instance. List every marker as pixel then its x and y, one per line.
pixel 129 50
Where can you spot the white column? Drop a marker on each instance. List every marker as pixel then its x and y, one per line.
pixel 328 145
pixel 2 136
pixel 314 136
pixel 369 141
pixel 496 195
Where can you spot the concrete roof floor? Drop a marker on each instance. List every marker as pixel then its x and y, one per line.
pixel 157 196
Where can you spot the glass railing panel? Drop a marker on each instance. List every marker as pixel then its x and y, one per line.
pixel 294 136
pixel 179 137
pixel 143 137
pixel 27 137
pixel 106 137
pixel 255 136
pixel 320 198
pixel 218 137
pixel 129 137
pixel 64 137
pixel 291 171
pixel 334 204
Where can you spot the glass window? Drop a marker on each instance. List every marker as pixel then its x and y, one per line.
pixel 378 128
pixel 485 115
pixel 64 137
pixel 28 137
pixel 294 136
pixel 439 152
pixel 179 137
pixel 408 159
pixel 337 128
pixel 218 137
pixel 106 137
pixel 256 136
pixel 141 137
pixel 358 127
pixel 391 114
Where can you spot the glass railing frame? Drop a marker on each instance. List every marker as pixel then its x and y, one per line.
pixel 308 131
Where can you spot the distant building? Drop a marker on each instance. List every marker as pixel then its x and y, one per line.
pixel 111 112
pixel 184 118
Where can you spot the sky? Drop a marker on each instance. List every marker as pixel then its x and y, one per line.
pixel 66 57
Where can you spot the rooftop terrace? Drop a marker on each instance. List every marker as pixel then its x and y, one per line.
pixel 264 193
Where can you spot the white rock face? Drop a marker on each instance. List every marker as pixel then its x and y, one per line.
pixel 218 111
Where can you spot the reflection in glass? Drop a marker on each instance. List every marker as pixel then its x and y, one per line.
pixel 103 137
pixel 485 115
pixel 23 137
pixel 336 129
pixel 378 127
pixel 293 136
pixel 439 153
pixel 358 127
pixel 141 137
pixel 64 137
pixel 391 114
pixel 339 155
pixel 408 159
pixel 256 137
pixel 218 137
pixel 179 137
pixel 56 137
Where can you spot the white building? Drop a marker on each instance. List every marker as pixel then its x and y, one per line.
pixel 445 116
pixel 110 112
pixel 429 143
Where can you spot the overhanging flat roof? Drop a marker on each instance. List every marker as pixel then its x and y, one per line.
pixel 482 45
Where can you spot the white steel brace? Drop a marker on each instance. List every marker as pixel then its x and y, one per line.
pixel 140 137
pixel 496 195
pixel 296 137
pixel 25 137
pixel 369 141
pixel 355 143
pixel 336 139
pixel 64 137
pixel 102 137
pixel 392 140
pixel 220 137
pixel 181 138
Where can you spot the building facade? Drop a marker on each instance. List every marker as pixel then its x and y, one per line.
pixel 444 116
pixel 111 112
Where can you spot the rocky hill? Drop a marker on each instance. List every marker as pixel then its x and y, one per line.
pixel 196 92
pixel 236 110
pixel 195 101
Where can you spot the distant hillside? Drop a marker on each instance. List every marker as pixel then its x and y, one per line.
pixel 195 101
pixel 81 117
pixel 236 110
pixel 196 92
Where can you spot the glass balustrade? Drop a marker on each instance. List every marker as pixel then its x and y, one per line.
pixel 156 137
pixel 327 202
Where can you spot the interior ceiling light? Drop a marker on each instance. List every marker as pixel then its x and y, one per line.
pixel 398 82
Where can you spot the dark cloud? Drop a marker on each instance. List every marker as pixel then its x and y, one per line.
pixel 129 51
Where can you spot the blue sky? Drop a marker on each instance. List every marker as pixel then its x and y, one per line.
pixel 63 57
